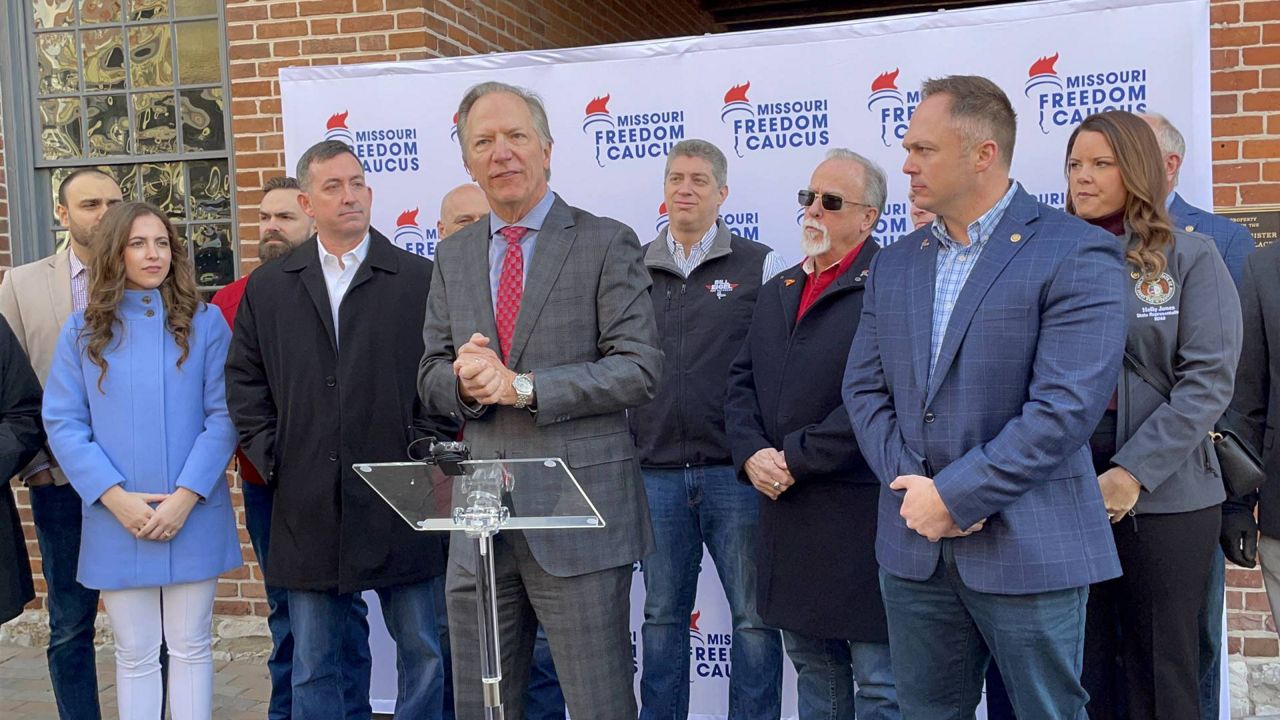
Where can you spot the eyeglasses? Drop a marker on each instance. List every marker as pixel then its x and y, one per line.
pixel 832 203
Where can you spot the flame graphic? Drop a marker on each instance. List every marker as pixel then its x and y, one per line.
pixel 337 120
pixel 693 620
pixel 408 217
pixel 662 209
pixel 455 118
pixel 1043 66
pixel 598 105
pixel 737 93
pixel 886 81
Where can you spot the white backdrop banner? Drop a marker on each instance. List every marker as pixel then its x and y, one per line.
pixel 774 101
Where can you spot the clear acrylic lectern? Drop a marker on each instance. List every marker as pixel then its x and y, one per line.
pixel 485 497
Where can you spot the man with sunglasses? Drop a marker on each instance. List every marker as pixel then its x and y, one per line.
pixel 705 283
pixel 791 439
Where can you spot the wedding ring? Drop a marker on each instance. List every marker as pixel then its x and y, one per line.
pixel 777 485
pixel 168 535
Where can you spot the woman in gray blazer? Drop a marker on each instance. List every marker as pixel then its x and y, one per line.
pixel 1157 471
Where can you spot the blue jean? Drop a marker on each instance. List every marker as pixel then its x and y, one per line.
pixel 72 607
pixel 689 507
pixel 356 661
pixel 319 641
pixel 944 634
pixel 826 672
pixel 1211 641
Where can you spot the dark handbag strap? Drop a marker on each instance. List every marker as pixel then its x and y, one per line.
pixel 1147 376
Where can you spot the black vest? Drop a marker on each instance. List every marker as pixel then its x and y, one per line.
pixel 702 321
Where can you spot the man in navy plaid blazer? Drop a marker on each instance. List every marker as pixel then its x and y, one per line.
pixel 989 345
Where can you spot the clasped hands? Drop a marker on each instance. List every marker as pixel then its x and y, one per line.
pixel 482 376
pixel 768 473
pixel 134 511
pixel 924 510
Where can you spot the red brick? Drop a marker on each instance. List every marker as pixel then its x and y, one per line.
pixel 373 42
pixel 1226 150
pixel 1233 645
pixel 247 12
pixel 236 33
pixel 1237 80
pixel 1224 196
pixel 368 6
pixel 329 45
pixel 1241 578
pixel 1271 34
pixel 1237 125
pixel 1235 173
pixel 1261 11
pixel 1271 78
pixel 1266 55
pixel 325 7
pixel 1271 171
pixel 284 10
pixel 407 20
pixel 1261 194
pixel 230 607
pixel 248 51
pixel 400 40
pixel 1236 36
pixel 1261 149
pixel 254 88
pixel 1224 103
pixel 286 48
pixel 1222 14
pixel 324 26
pixel 366 23
pixel 291 28
pixel 1261 647
pixel 1224 59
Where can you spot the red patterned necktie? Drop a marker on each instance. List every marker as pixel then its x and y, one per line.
pixel 510 287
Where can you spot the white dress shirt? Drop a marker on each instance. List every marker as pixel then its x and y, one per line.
pixel 338 276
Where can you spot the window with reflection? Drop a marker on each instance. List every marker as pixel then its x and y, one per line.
pixel 138 89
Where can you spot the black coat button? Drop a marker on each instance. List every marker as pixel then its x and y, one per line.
pixel 333 455
pixel 929 417
pixel 331 381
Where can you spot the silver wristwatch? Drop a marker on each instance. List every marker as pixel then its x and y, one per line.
pixel 523 385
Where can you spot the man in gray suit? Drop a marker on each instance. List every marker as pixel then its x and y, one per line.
pixel 540 335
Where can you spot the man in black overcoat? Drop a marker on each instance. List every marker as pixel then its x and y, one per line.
pixel 321 375
pixel 792 441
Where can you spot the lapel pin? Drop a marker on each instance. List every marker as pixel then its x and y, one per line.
pixel 1190 228
pixel 924 243
pixel 1015 237
pixel 1135 275
pixel 789 282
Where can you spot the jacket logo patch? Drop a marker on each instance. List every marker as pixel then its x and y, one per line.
pixel 1155 292
pixel 720 288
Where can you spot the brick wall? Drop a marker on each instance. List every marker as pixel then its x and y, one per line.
pixel 1245 42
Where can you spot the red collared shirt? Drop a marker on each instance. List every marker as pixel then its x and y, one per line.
pixel 819 280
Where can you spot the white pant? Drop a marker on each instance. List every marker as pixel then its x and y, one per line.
pixel 188 629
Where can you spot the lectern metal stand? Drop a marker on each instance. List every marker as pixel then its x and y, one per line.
pixel 485 498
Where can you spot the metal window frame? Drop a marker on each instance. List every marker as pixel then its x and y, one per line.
pixel 33 226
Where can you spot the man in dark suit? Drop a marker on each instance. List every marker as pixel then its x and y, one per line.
pixel 791 440
pixel 320 376
pixel 283 226
pixel 540 334
pixel 1255 414
pixel 1234 243
pixel 989 344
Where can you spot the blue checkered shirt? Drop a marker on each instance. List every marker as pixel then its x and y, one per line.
pixel 955 262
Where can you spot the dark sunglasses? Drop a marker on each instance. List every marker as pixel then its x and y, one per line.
pixel 832 203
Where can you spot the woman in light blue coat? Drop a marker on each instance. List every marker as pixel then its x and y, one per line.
pixel 136 415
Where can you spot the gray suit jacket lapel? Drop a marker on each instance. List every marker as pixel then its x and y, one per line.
pixel 554 241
